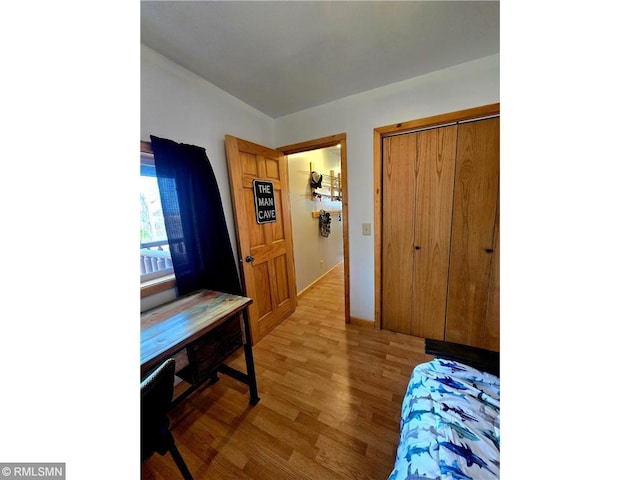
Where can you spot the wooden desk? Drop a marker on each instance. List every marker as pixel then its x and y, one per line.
pixel 167 329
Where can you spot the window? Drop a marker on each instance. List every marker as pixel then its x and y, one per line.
pixel 155 258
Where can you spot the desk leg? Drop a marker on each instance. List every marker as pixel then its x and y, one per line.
pixel 248 356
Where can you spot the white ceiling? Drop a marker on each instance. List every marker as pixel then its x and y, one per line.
pixel 283 57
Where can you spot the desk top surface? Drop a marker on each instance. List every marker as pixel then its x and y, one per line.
pixel 168 328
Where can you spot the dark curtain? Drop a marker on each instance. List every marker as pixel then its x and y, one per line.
pixel 195 223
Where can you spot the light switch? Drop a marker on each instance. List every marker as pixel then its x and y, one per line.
pixel 366 229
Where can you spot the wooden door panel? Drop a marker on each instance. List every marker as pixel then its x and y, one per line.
pixel 434 200
pixel 263 289
pixel 249 166
pixel 270 278
pixel 272 170
pixel 277 228
pixel 255 231
pixel 474 217
pixel 398 199
pixel 282 288
pixel 491 340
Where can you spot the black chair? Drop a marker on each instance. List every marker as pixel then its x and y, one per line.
pixel 156 392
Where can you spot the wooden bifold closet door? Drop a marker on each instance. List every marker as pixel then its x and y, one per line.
pixel 474 240
pixel 439 233
pixel 418 171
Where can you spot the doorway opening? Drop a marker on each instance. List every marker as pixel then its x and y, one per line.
pixel 316 253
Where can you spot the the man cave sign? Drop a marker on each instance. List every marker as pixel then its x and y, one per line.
pixel 265 201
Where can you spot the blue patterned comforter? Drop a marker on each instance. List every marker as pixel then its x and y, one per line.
pixel 450 424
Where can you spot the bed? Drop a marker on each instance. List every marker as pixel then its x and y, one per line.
pixel 450 418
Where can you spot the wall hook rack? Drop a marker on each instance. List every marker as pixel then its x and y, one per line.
pixel 331 182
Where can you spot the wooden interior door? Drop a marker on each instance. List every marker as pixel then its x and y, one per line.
pixel 473 241
pixel 265 249
pixel 434 200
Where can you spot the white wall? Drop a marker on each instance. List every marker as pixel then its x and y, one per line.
pixel 464 86
pixel 181 106
pixel 314 254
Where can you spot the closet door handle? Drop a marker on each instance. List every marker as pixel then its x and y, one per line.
pixel 417 247
pixel 488 250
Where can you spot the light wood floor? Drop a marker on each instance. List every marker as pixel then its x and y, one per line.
pixel 330 398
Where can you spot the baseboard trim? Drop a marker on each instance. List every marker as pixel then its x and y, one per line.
pixel 318 280
pixel 361 322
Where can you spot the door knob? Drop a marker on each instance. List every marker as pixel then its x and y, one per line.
pixel 488 250
pixel 249 259
pixel 417 247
